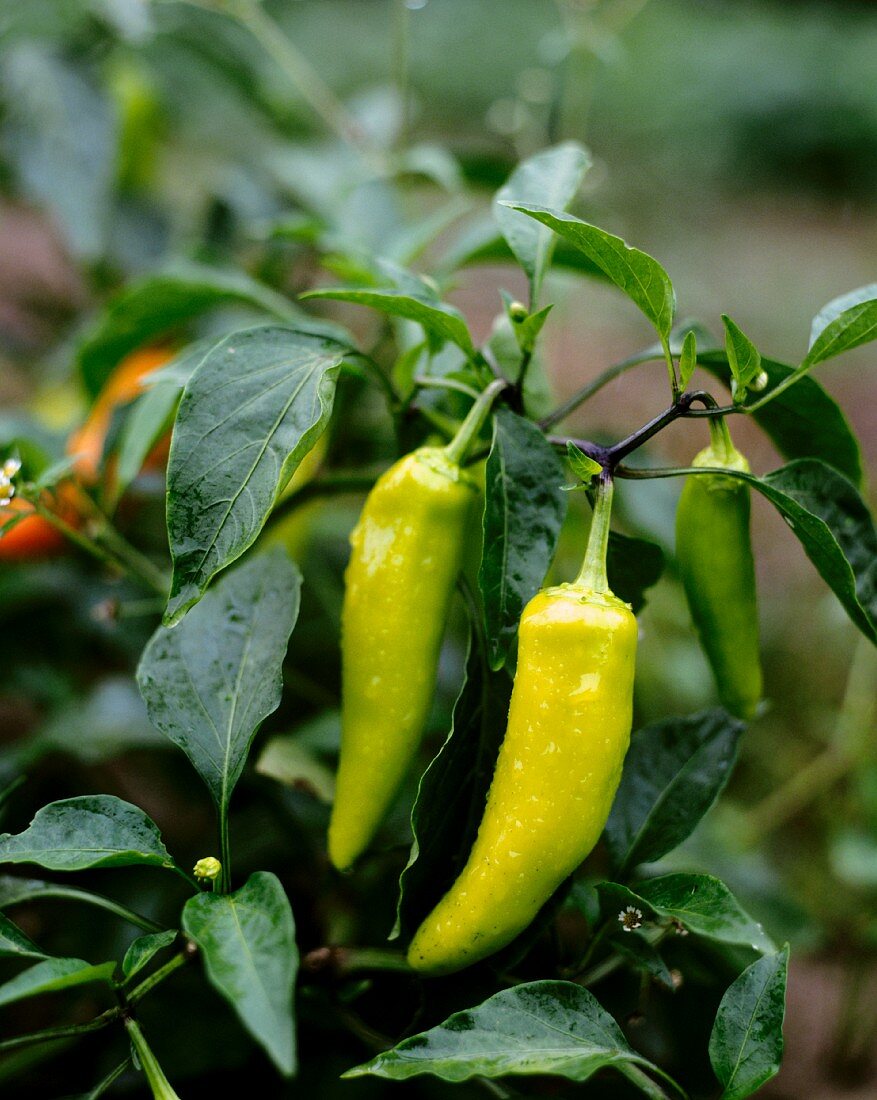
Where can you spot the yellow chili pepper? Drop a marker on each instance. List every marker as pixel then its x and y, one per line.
pixel 558 768
pixel 408 549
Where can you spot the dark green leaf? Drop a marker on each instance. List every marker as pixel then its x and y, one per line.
pixel 15 944
pixel 846 322
pixel 641 278
pixel 537 1028
pixel 746 1045
pixel 249 414
pixel 452 792
pixel 673 773
pixel 633 566
pixel 212 680
pixel 803 422
pixel 523 514
pixel 158 303
pixel 699 903
pixel 90 831
pixel 52 975
pixel 835 528
pixel 552 177
pixel 247 942
pixel 688 358
pixel 744 358
pixel 144 949
pixel 436 317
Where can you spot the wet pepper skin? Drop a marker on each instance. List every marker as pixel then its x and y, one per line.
pixel 407 552
pixel 714 553
pixel 555 779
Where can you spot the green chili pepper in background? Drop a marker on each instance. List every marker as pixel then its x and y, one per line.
pixel 408 549
pixel 714 553
pixel 558 768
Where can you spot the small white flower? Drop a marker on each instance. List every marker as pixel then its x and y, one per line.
pixel 10 468
pixel 6 500
pixel 630 918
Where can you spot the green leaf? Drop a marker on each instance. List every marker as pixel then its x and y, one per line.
pixel 249 414
pixel 160 302
pixel 90 831
pixel 803 421
pixel 746 1044
pixel 688 358
pixel 149 419
pixel 700 903
pixel 247 942
pixel 212 680
pixel 845 323
pixel 291 763
pixel 438 318
pixel 15 944
pixel 674 771
pixel 52 975
pixel 641 278
pixel 547 1027
pixel 481 244
pixel 453 790
pixel 143 950
pixel 523 514
pixel 582 466
pixel 834 526
pixel 633 566
pixel 552 177
pixel 744 358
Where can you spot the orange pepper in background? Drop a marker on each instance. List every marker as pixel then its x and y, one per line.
pixel 123 385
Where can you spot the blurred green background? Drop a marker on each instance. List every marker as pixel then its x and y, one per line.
pixel 736 142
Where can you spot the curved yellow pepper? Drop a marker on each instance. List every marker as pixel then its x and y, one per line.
pixel 556 775
pixel 407 552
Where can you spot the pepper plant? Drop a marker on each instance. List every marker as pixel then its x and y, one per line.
pixel 599 944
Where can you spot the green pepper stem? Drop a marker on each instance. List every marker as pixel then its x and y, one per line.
pixel 720 439
pixel 459 446
pixel 593 575
pixel 161 1088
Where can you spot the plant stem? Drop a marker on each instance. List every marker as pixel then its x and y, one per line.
pixel 148 984
pixel 305 78
pixel 66 1031
pixel 161 1088
pixel 671 369
pixel 326 485
pixel 372 958
pixel 720 439
pixel 467 433
pixel 425 381
pixel 593 572
pixel 642 1081
pixel 224 851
